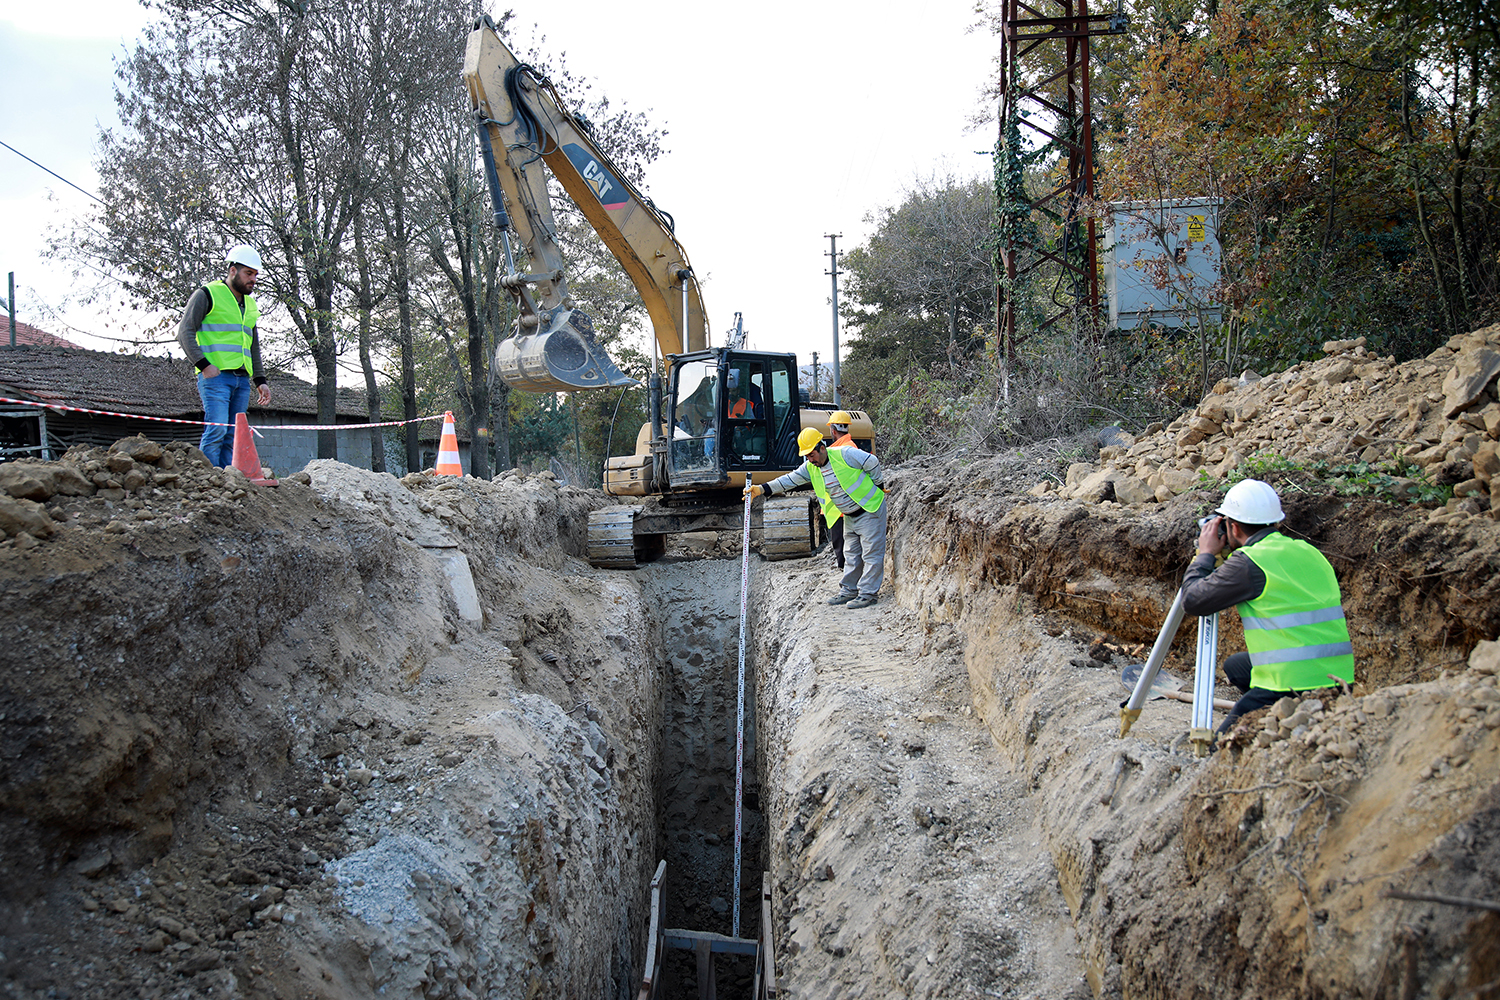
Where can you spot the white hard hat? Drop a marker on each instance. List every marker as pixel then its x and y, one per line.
pixel 1252 502
pixel 244 254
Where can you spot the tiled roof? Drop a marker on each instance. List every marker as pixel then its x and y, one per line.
pixel 28 334
pixel 125 383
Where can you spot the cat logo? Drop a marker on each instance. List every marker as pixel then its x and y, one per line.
pixel 606 186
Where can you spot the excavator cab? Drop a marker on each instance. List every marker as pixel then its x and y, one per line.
pixel 730 412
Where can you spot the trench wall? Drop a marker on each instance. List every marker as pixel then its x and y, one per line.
pixel 1252 872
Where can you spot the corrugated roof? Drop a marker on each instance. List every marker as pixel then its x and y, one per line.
pixel 126 383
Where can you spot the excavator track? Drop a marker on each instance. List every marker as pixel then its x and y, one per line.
pixel 613 543
pixel 790 529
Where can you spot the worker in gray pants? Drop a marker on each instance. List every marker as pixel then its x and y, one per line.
pixel 848 484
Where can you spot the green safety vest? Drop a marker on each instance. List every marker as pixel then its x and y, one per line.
pixel 228 331
pixel 854 481
pixel 1295 630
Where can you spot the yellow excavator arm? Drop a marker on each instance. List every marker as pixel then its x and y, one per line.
pixel 522 125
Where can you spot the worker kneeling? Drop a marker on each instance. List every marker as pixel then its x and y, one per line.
pixel 848 484
pixel 1287 596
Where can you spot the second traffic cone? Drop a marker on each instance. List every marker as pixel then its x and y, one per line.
pixel 447 462
pixel 245 458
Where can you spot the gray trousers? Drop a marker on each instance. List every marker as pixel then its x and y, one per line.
pixel 864 553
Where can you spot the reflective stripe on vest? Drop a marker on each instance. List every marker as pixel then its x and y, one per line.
pixel 1295 631
pixel 227 331
pixel 852 480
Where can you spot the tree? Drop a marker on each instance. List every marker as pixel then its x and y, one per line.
pixel 919 288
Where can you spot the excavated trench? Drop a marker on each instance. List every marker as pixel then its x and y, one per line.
pixel 696 605
pixel 376 792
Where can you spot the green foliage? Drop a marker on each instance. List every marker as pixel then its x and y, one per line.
pixel 1396 481
pixel 919 289
pixel 1357 154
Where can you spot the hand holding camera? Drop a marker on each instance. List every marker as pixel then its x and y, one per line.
pixel 1212 536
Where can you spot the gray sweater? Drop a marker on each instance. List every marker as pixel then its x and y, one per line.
pixel 802 476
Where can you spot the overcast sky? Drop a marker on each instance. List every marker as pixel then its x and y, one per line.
pixel 787 121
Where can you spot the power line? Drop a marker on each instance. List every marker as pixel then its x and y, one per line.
pixel 54 173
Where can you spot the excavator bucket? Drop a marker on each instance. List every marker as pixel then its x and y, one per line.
pixel 561 358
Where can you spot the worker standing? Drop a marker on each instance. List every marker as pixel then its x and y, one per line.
pixel 848 484
pixel 218 331
pixel 839 424
pixel 1287 596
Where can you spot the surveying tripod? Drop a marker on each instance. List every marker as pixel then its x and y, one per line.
pixel 1202 732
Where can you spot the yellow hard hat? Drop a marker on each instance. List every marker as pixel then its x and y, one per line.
pixel 840 417
pixel 809 439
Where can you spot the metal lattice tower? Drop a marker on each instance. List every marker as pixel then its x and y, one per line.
pixel 1045 103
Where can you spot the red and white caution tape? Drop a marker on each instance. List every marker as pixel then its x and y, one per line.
pixel 204 423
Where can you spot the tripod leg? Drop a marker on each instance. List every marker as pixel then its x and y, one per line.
pixel 1132 708
pixel 1202 734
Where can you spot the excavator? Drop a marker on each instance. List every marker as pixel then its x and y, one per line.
pixel 716 414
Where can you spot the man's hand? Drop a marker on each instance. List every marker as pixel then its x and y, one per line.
pixel 1211 537
pixel 263 394
pixel 209 371
pixel 756 491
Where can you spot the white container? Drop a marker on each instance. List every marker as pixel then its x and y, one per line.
pixel 1161 262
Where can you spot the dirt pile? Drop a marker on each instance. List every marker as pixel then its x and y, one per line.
pixel 253 746
pixel 1437 415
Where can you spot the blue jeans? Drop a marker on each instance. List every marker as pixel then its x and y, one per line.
pixel 223 396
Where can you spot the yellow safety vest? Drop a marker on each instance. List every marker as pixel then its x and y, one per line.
pixel 1295 630
pixel 854 481
pixel 228 331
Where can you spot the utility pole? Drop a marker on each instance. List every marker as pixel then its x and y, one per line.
pixel 833 255
pixel 10 304
pixel 815 374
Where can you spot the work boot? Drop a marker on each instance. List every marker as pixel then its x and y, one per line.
pixel 861 602
pixel 842 598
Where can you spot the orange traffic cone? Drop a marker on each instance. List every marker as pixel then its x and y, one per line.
pixel 447 463
pixel 245 458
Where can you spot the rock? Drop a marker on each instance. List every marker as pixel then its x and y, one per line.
pixel 345 806
pixel 134 480
pixel 200 961
pixel 1133 491
pixel 1096 486
pixel 1077 473
pixel 17 516
pixel 1471 373
pixel 156 942
pixel 118 462
pixel 1340 346
pixel 21 480
pixel 172 927
pixel 140 448
pixel 1338 373
pixel 94 865
pixel 1485 657
pixel 1486 462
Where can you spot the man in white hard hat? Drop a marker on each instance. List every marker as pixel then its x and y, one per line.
pixel 1287 596
pixel 218 331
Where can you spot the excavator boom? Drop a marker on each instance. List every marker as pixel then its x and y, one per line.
pixel 523 125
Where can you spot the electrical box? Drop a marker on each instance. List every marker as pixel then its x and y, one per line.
pixel 1161 262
